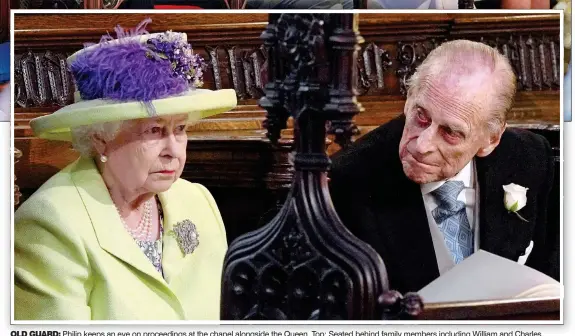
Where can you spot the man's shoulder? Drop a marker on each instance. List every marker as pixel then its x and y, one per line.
pixel 522 143
pixel 371 153
pixel 525 155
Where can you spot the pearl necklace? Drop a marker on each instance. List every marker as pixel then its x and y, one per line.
pixel 144 229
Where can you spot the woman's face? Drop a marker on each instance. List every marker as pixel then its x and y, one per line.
pixel 147 155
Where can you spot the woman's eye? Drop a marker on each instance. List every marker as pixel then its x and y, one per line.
pixel 156 130
pixel 181 128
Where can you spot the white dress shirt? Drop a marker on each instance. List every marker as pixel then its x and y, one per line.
pixel 469 196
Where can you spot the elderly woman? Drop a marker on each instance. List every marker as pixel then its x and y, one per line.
pixel 117 234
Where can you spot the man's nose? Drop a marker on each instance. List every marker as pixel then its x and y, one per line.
pixel 425 142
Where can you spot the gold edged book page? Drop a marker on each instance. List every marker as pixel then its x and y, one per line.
pixel 485 277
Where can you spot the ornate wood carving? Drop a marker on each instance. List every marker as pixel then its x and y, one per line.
pixel 42 79
pixel 409 57
pixel 53 4
pixel 384 64
pixel 102 4
pixel 304 264
pixel 372 64
pixel 535 59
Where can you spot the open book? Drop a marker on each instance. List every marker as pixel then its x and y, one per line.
pixel 486 276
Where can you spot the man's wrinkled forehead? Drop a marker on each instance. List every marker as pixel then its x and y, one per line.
pixel 458 77
pixel 465 87
pixel 452 97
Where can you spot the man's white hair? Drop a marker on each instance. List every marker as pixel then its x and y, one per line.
pixel 82 136
pixel 464 58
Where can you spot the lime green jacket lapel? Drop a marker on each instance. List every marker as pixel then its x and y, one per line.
pixel 112 236
pixel 106 221
pixel 92 268
pixel 173 257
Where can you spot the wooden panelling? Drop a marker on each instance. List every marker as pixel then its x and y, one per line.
pixel 229 153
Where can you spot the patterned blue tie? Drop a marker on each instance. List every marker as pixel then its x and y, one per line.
pixel 452 220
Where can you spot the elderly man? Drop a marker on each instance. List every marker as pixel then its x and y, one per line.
pixel 425 190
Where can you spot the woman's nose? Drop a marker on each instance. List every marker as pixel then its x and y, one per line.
pixel 170 145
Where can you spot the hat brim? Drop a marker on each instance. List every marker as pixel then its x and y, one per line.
pixel 198 104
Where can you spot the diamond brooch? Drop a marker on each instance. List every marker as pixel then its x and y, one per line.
pixel 186 235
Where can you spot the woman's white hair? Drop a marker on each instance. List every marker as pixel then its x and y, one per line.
pixel 82 136
pixel 467 58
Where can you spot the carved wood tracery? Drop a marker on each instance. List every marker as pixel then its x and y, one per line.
pixel 385 62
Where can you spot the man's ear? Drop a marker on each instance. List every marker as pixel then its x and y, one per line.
pixel 494 139
pixel 99 144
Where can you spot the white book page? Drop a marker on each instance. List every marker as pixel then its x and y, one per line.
pixel 486 276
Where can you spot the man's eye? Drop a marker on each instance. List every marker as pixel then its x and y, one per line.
pixel 451 134
pixel 421 116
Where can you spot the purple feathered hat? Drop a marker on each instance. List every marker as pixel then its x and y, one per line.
pixel 137 66
pixel 135 75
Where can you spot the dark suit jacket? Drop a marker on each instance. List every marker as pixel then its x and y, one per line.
pixel 381 206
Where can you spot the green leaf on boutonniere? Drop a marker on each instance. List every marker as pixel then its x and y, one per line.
pixel 514 207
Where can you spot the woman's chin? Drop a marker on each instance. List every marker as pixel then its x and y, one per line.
pixel 159 186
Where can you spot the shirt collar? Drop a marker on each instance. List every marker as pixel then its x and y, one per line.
pixel 464 175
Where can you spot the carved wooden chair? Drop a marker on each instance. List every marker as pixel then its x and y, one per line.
pixel 304 264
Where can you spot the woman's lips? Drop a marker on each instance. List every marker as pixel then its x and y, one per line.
pixel 166 172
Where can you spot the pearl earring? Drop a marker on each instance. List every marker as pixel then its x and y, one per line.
pixel 103 158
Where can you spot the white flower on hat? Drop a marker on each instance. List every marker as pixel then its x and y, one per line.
pixel 515 198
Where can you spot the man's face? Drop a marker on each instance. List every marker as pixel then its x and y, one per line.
pixel 444 130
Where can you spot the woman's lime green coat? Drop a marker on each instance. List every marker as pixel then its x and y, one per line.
pixel 73 259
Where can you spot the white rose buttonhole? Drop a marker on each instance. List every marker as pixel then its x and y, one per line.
pixel 515 198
